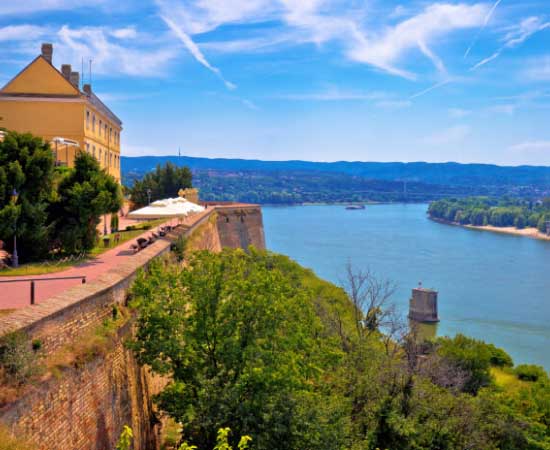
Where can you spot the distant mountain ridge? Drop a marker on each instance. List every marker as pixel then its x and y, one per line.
pixel 450 173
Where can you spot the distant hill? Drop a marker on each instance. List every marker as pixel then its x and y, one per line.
pixel 450 174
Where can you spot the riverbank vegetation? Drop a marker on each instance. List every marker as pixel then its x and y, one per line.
pixel 482 211
pixel 254 342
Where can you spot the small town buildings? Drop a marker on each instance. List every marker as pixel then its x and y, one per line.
pixel 50 103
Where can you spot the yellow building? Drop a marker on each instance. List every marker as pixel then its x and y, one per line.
pixel 49 103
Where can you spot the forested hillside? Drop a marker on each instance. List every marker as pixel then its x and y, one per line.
pixel 253 342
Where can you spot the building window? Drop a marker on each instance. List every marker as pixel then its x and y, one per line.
pixel 93 123
pixel 110 133
pixel 105 135
pixel 99 158
pixel 100 126
pixel 93 149
pixel 87 120
pixel 87 148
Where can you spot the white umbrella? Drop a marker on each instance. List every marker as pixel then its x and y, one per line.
pixel 170 207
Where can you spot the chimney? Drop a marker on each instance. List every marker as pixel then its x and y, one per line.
pixel 66 71
pixel 75 79
pixel 47 51
pixel 87 88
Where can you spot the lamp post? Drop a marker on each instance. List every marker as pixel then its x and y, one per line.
pixel 149 196
pixel 15 257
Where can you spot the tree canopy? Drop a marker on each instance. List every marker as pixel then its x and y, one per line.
pixel 57 208
pixel 254 342
pixel 164 182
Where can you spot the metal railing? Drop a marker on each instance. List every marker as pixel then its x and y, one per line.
pixel 34 280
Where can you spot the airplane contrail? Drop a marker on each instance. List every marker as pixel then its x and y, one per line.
pixel 485 23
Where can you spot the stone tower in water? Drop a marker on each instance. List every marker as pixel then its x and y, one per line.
pixel 423 305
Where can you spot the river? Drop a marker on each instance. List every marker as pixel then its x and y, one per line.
pixel 491 286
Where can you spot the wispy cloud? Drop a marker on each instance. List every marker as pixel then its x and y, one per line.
pixel 516 36
pixel 319 22
pixel 459 113
pixel 532 146
pixel 22 33
pixel 447 136
pixel 538 69
pixel 109 56
pixel 485 23
pixel 195 50
pixel 431 88
pixel 335 94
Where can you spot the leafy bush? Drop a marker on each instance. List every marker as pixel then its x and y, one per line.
pixel 530 372
pixel 499 357
pixel 17 359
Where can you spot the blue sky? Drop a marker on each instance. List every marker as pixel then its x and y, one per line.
pixel 324 80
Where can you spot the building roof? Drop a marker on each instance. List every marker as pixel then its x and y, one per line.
pixel 63 87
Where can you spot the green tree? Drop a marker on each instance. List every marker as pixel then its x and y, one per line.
pixel 242 344
pixel 85 193
pixel 164 182
pixel 26 165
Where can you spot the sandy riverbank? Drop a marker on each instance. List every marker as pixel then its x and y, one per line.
pixel 529 232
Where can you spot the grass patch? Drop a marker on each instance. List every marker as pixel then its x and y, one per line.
pixel 88 347
pixel 171 434
pixel 126 236
pixel 46 267
pixel 40 268
pixel 507 379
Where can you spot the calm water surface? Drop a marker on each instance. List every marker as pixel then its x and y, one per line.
pixel 491 286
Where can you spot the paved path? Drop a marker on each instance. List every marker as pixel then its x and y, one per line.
pixel 17 295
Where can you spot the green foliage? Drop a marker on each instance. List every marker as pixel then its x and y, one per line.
pixel 27 165
pixel 253 342
pixel 114 223
pixel 529 372
pixel 85 194
pixel 481 211
pixel 126 439
pixel 57 208
pixel 222 442
pixel 18 362
pixel 179 247
pixel 164 182
pixel 472 356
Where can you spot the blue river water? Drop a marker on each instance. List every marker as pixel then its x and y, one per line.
pixel 491 286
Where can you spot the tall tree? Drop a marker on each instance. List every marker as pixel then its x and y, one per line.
pixel 85 193
pixel 164 182
pixel 26 165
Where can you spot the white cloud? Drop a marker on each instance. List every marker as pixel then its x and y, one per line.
pixel 110 57
pixel 335 94
pixel 124 33
pixel 516 36
pixel 538 69
pixel 508 109
pixel 452 135
pixel 393 104
pixel 458 113
pixel 319 22
pixel 418 32
pixel 9 7
pixel 21 33
pixel 532 146
pixel 485 23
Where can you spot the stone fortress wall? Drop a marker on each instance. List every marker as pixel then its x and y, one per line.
pixel 85 408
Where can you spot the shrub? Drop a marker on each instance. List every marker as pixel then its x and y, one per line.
pixel 179 248
pixel 130 227
pixel 17 360
pixel 147 227
pixel 499 357
pixel 530 372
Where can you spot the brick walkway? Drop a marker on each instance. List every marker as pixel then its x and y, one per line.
pixel 17 295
